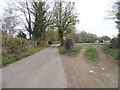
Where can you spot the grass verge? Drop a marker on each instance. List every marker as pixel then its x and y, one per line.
pixel 111 51
pixel 71 53
pixel 91 54
pixel 88 45
pixel 7 59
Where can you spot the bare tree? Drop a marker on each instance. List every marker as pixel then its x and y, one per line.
pixel 10 21
pixel 37 18
pixel 26 16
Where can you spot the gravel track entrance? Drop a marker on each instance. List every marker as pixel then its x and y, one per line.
pixel 77 70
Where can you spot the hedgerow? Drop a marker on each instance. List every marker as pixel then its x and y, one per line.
pixel 13 45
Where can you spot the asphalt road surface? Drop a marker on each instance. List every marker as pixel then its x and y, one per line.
pixel 41 70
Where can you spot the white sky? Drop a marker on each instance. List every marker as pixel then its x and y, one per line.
pixel 1 7
pixel 92 16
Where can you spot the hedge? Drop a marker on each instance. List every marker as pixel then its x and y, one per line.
pixel 13 45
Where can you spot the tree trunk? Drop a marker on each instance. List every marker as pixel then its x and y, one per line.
pixel 62 42
pixel 61 39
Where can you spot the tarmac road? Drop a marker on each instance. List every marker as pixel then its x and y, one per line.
pixel 41 70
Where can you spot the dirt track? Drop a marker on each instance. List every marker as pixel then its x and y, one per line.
pixel 77 70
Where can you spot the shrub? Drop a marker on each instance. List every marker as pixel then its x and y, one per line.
pixel 114 43
pixel 14 45
pixel 69 44
pixel 71 53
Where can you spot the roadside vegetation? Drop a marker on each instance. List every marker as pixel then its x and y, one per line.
pixel 16 48
pixel 111 51
pixel 9 58
pixel 71 53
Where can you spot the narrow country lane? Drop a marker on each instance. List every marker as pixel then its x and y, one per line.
pixel 41 70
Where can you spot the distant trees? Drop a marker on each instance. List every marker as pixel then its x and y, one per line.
pixel 52 36
pixel 105 38
pixel 85 37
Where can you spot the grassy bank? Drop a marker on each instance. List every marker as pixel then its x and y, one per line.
pixel 111 51
pixel 91 54
pixel 104 46
pixel 6 59
pixel 71 53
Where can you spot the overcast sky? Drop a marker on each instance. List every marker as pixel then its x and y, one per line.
pixel 92 16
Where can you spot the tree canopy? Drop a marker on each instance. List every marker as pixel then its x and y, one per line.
pixel 65 18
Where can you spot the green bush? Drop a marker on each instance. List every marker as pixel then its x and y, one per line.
pixel 114 43
pixel 71 53
pixel 14 45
